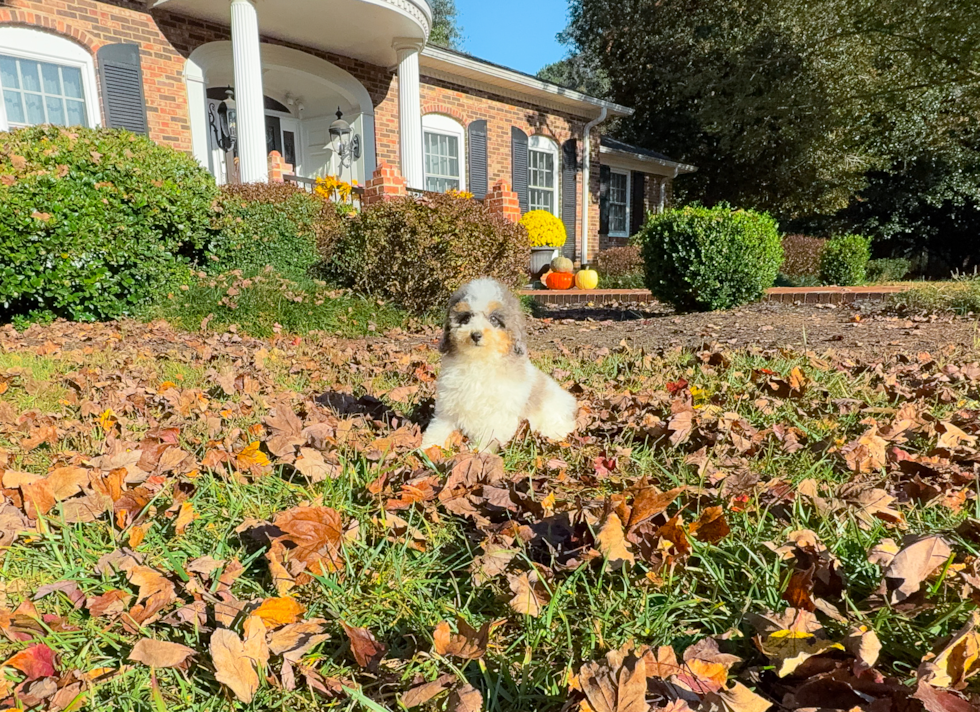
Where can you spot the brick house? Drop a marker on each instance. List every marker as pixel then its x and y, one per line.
pixel 231 81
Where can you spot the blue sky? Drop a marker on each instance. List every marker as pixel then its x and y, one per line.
pixel 516 33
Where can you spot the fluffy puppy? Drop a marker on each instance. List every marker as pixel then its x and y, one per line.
pixel 487 384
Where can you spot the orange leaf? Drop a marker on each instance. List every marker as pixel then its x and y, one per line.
pixel 276 612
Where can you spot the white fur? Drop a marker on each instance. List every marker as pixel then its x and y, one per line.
pixel 485 393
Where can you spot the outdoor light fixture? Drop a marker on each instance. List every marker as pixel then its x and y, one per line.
pixel 226 132
pixel 345 142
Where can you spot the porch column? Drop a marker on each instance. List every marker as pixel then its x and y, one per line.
pixel 249 95
pixel 410 113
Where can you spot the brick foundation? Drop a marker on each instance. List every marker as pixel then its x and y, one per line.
pixel 386 184
pixel 503 201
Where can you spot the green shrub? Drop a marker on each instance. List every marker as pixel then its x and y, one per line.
pixel 960 298
pixel 417 253
pixel 801 255
pixel 94 222
pixel 888 270
pixel 845 259
pixel 272 224
pixel 269 303
pixel 700 258
pixel 620 268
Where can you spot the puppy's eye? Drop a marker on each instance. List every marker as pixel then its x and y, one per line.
pixel 497 321
pixel 463 318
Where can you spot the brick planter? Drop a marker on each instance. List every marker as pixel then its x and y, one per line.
pixel 790 295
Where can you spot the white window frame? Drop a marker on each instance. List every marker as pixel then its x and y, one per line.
pixel 543 144
pixel 629 196
pixel 447 126
pixel 39 46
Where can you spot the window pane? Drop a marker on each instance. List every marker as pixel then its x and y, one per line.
pixel 29 75
pixel 76 113
pixel 617 202
pixel 56 110
pixel 72 77
pixel 35 108
pixel 51 78
pixel 8 73
pixel 14 106
pixel 441 162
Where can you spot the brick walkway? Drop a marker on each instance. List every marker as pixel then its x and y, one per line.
pixel 805 295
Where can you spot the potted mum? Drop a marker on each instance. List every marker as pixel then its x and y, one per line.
pixel 547 234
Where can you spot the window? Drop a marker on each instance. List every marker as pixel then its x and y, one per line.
pixel 45 79
pixel 444 148
pixel 619 209
pixel 542 174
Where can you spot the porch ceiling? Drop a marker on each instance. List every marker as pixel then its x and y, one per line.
pixel 363 29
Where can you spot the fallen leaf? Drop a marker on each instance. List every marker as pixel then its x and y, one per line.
pixel 184 518
pixel 465 699
pixel 35 662
pixel 789 639
pixel 368 652
pixel 160 654
pixel 711 526
pixel 863 644
pixel 232 667
pixel 617 684
pixel 277 612
pixel 913 565
pixel 530 595
pixel 957 661
pixel 420 694
pixel 468 643
pixel 737 698
pixel 612 543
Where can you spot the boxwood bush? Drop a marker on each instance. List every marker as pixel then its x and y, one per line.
pixel 702 259
pixel 887 269
pixel 416 253
pixel 845 260
pixel 272 224
pixel 94 222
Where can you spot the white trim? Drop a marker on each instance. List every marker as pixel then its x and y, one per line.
pixel 543 144
pixel 629 197
pixel 459 68
pixel 644 163
pixel 447 126
pixel 28 43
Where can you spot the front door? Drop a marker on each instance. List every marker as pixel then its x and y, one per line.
pixel 282 134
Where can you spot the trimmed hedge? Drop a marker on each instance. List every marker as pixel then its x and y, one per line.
pixel 702 259
pixel 801 255
pixel 272 224
pixel 416 253
pixel 620 267
pixel 888 269
pixel 94 223
pixel 845 260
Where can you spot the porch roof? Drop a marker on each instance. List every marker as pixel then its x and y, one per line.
pixel 468 70
pixel 641 158
pixel 362 29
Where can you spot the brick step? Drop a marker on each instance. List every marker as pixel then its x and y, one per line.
pixel 805 295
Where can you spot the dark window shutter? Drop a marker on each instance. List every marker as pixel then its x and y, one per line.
pixel 638 212
pixel 518 165
pixel 477 131
pixel 569 193
pixel 604 200
pixel 122 87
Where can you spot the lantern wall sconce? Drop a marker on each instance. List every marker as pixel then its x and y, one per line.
pixel 225 125
pixel 345 142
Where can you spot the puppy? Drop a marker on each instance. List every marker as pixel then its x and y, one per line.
pixel 487 384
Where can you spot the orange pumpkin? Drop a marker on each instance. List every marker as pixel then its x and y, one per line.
pixel 560 280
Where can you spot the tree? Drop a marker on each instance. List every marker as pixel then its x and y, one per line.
pixel 790 105
pixel 575 72
pixel 446 31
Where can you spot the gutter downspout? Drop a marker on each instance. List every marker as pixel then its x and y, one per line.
pixel 586 162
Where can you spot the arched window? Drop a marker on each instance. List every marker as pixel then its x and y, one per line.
pixel 445 153
pixel 45 79
pixel 542 174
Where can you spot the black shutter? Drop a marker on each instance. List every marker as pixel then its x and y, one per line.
pixel 479 180
pixel 122 87
pixel 638 212
pixel 604 200
pixel 518 165
pixel 569 193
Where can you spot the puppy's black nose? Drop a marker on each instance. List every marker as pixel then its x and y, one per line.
pixel 477 336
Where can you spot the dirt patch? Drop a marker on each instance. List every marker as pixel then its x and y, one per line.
pixel 857 331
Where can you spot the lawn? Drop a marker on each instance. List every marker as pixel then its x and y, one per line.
pixel 201 520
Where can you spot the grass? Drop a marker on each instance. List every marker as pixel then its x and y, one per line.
pixel 401 593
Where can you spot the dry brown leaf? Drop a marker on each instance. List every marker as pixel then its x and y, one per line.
pixel 618 684
pixel 232 666
pixel 184 518
pixel 468 643
pixel 465 699
pixel 531 596
pixel 317 534
pixel 276 612
pixel 863 644
pixel 737 698
pixel 292 642
pixel 420 694
pixel 612 543
pixel 255 645
pixel 957 661
pixel 160 653
pixel 913 565
pixel 711 526
pixel 368 652
pixel 789 639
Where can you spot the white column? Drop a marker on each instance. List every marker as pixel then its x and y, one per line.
pixel 249 95
pixel 410 113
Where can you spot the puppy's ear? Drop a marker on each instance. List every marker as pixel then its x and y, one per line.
pixel 516 320
pixel 445 343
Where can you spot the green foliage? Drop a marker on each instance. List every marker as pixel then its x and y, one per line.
pixel 268 303
pixel 415 254
pixel 703 259
pixel 620 268
pixel 959 298
pixel 577 73
pixel 786 105
pixel 801 255
pixel 272 224
pixel 845 259
pixel 446 31
pixel 94 222
pixel 887 270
